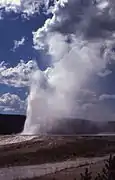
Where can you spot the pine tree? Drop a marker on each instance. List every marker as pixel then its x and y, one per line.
pixel 108 172
pixel 87 175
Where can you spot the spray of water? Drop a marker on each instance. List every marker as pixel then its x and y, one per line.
pixel 79 38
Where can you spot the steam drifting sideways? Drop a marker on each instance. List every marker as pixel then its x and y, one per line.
pixel 79 39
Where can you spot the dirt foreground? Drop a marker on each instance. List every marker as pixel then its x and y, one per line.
pixel 72 173
pixel 49 149
pixel 34 153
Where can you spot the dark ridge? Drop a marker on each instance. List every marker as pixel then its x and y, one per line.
pixel 69 126
pixel 11 124
pixel 74 126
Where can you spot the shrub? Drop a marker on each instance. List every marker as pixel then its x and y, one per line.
pixel 107 173
pixel 87 175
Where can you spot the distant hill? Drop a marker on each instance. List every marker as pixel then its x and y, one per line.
pixel 12 124
pixel 75 126
pixel 82 126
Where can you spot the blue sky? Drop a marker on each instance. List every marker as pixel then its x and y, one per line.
pixel 15 26
pixel 20 51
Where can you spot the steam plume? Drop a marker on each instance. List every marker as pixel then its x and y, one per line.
pixel 79 39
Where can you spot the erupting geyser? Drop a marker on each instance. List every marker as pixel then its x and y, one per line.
pixel 78 41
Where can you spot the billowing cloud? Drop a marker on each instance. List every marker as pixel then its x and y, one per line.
pixel 18 43
pixel 28 7
pixel 83 18
pixel 18 76
pixel 79 37
pixel 12 103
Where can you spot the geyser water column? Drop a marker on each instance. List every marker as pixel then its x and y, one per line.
pixel 53 92
pixel 73 38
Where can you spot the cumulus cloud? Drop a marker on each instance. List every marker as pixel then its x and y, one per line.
pixel 95 107
pixel 19 43
pixel 28 8
pixel 79 37
pixel 106 97
pixel 12 103
pixel 96 112
pixel 104 73
pixel 18 76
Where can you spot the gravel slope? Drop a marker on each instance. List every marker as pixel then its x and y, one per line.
pixel 22 172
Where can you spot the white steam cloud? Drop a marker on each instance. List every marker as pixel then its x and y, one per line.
pixel 79 39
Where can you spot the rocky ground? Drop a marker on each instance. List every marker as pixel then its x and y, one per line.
pixel 40 150
pixel 45 149
pixel 72 173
